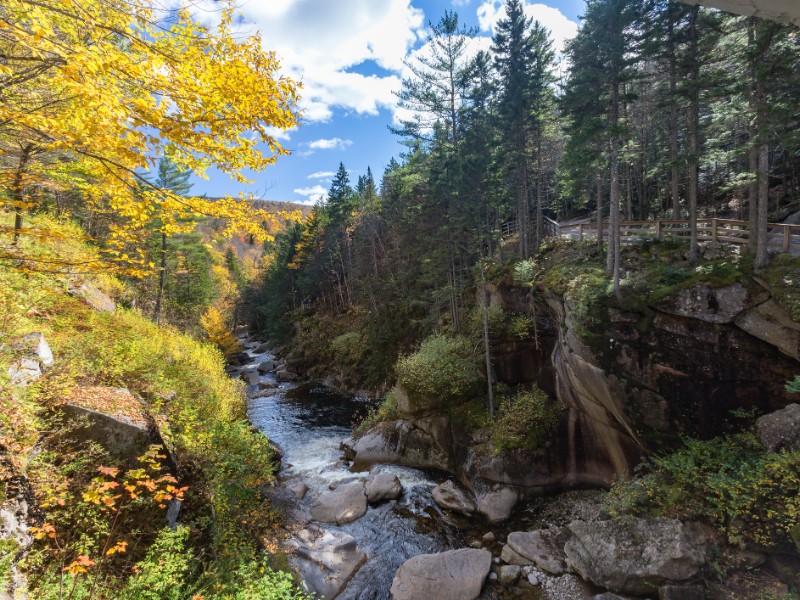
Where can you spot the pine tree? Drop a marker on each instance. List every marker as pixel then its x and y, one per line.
pixel 176 180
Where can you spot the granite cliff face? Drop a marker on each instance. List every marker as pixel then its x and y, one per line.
pixel 630 382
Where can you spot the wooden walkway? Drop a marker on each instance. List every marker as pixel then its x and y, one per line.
pixel 782 237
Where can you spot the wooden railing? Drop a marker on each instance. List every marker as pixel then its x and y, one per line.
pixel 550 228
pixel 780 236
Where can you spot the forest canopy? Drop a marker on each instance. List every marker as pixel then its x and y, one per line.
pixel 92 93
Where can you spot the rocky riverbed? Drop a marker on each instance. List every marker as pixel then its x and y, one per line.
pixel 390 531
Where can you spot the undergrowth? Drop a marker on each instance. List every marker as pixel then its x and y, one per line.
pixel 730 481
pixel 222 459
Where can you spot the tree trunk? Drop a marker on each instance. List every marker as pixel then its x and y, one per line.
pixel 694 127
pixel 17 187
pixel 599 188
pixel 673 121
pixel 539 194
pixel 486 346
pixel 762 243
pixel 162 277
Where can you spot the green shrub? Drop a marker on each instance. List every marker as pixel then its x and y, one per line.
pixel 443 367
pixel 524 421
pixel 749 494
pixel 385 411
pixel 348 348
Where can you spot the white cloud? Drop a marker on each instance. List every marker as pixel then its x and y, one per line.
pixel 279 134
pixel 330 144
pixel 319 41
pixel 561 28
pixel 460 2
pixel 312 194
pixel 321 175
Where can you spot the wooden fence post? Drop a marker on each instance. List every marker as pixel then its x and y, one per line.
pixel 786 238
pixel 580 230
pixel 658 229
pixel 714 229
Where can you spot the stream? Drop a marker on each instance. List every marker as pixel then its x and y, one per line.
pixel 308 422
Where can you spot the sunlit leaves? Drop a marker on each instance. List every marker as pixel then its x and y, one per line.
pixel 92 91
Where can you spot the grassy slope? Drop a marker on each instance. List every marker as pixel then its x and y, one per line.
pixel 221 457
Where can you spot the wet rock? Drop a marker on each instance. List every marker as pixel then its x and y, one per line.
pixel 346 503
pixel 383 486
pixel 476 544
pixel 283 375
pixel 266 366
pixel 489 537
pixel 325 560
pixel 508 575
pixel 496 505
pixel 261 348
pixel 608 596
pixel 508 556
pixel 453 575
pixel 250 377
pixel 681 592
pixel 543 548
pixel 401 442
pixel 780 429
pixel 493 576
pixel 631 555
pixel 243 358
pixel 298 488
pixel 450 497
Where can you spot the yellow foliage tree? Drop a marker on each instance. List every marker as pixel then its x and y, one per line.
pixel 92 90
pixel 218 333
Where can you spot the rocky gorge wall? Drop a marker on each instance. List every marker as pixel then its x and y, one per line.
pixel 630 382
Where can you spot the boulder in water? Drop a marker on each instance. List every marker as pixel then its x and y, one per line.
pixel 543 548
pixel 325 560
pixel 346 503
pixel 496 504
pixel 453 575
pixel 451 497
pixel 383 486
pixel 250 377
pixel 266 366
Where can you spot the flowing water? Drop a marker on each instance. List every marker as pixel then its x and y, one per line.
pixel 308 422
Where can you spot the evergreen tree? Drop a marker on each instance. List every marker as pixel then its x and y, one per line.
pixel 173 178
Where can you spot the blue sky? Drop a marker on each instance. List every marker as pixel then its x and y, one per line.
pixel 349 55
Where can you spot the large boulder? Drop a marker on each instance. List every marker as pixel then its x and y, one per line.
pixel 780 429
pixel 266 366
pixel 497 502
pixel 250 377
pixel 325 560
pixel 346 503
pixel 383 486
pixel 111 417
pixel 543 548
pixel 769 322
pixel 453 575
pixel 634 556
pixel 713 304
pixel 450 497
